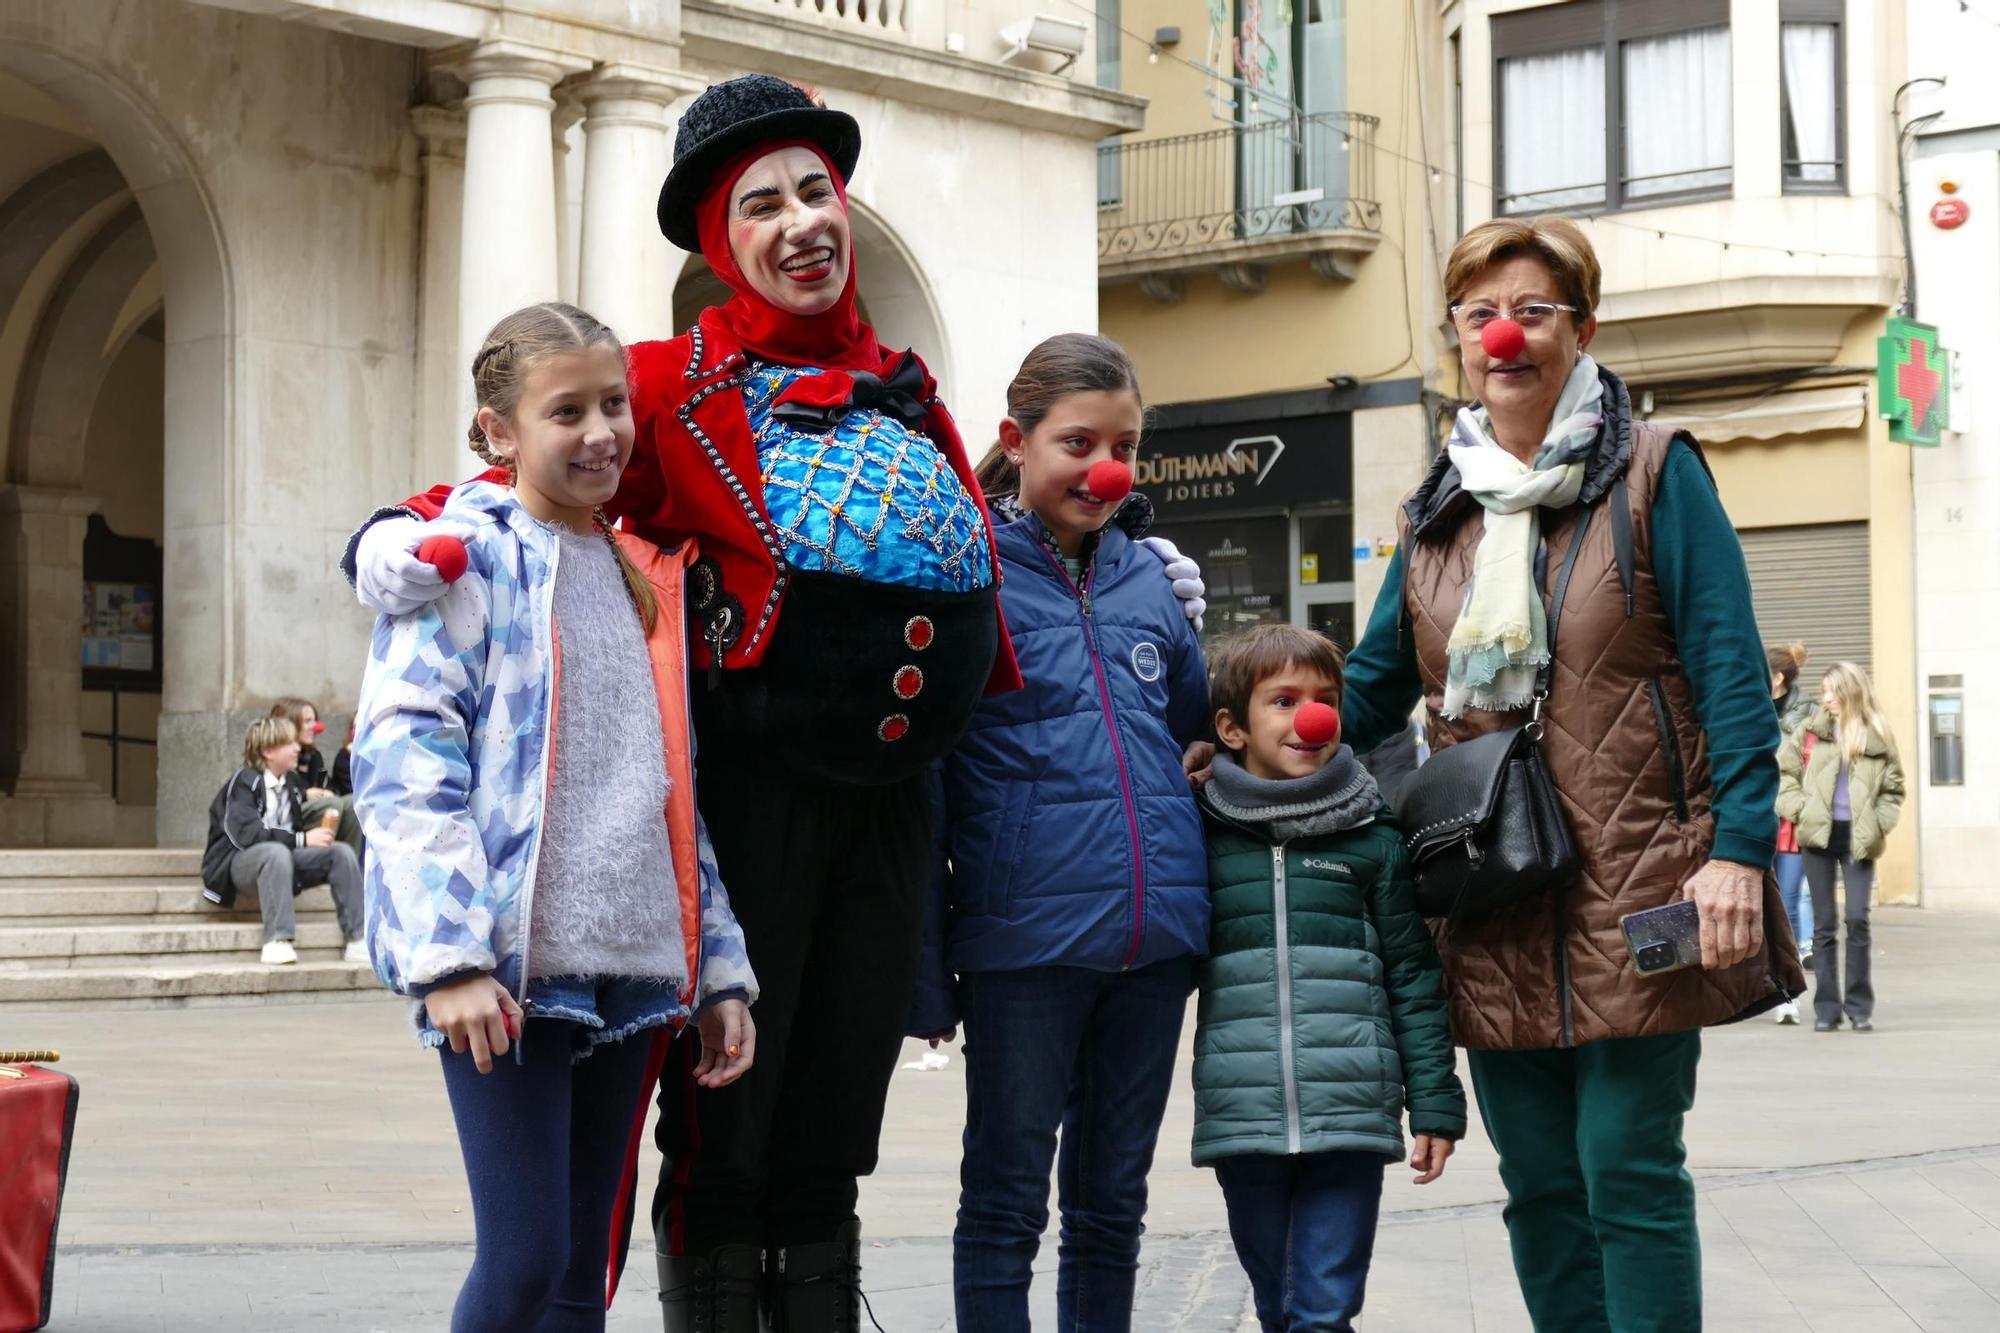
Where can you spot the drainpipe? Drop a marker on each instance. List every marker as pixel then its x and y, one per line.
pixel 1904 133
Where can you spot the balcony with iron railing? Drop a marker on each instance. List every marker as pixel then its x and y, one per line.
pixel 916 21
pixel 1234 201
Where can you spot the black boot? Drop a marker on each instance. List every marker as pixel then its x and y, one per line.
pixel 817 1288
pixel 712 1293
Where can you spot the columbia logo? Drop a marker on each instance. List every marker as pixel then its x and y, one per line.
pixel 1337 867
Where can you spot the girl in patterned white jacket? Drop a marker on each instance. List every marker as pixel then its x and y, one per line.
pixel 523 769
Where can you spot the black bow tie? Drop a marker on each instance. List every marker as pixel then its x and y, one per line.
pixel 901 396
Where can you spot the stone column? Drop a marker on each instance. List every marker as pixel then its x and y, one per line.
pixel 507 249
pixel 41 565
pixel 628 267
pixel 441 454
pixel 569 179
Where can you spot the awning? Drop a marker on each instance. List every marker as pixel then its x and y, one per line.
pixel 1769 416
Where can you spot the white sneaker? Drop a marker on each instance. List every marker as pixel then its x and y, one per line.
pixel 1788 1014
pixel 278 953
pixel 356 952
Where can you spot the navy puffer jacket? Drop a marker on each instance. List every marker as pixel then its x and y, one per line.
pixel 1069 833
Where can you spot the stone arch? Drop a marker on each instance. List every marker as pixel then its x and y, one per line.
pixel 200 427
pixel 42 226
pixel 898 295
pixel 72 353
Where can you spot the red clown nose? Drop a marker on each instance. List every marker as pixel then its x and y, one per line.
pixel 1109 480
pixel 1503 339
pixel 1316 723
pixel 446 554
pixel 319 728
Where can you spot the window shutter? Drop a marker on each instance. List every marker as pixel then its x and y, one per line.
pixel 1810 585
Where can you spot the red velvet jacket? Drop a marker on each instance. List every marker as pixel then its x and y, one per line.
pixel 694 473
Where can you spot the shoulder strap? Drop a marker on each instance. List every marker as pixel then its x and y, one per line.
pixel 1547 673
pixel 1621 537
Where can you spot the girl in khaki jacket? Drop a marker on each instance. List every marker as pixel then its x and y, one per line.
pixel 1841 784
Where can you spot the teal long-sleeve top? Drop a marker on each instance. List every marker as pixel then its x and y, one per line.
pixel 1698 565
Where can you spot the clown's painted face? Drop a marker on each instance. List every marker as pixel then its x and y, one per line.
pixel 788 231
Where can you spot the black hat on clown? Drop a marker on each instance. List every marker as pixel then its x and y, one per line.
pixel 732 117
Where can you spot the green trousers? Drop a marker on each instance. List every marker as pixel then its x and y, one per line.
pixel 1600 1207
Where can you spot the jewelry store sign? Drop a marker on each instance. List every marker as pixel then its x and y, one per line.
pixel 1251 465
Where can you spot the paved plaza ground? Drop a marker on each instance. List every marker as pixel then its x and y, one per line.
pixel 294 1168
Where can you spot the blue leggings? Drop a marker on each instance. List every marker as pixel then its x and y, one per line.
pixel 544 1142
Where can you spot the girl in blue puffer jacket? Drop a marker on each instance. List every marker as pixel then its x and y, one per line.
pixel 1073 897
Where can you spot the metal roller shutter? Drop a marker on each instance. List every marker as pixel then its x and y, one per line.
pixel 1811 585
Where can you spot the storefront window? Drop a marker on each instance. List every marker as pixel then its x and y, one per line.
pixel 1243 560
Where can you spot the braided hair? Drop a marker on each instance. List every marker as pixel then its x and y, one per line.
pixel 499 372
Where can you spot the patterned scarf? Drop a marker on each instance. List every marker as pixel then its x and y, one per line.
pixel 1501 639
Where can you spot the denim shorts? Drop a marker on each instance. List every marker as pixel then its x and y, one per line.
pixel 594 1009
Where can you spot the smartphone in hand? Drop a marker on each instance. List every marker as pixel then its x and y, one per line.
pixel 1664 939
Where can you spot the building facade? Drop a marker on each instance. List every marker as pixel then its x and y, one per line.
pixel 1953 206
pixel 1267 250
pixel 1728 158
pixel 247 245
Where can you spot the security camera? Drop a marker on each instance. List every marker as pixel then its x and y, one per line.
pixel 1046 34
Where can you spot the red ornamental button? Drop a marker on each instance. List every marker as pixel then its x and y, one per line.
pixel 919 633
pixel 909 682
pixel 894 727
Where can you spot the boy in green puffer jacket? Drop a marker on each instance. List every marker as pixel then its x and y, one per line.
pixel 1322 1001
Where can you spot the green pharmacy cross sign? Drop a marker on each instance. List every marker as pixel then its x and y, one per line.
pixel 1915 382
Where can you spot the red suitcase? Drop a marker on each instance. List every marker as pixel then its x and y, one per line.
pixel 37 1118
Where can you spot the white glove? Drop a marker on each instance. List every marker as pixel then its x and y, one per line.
pixel 1186 576
pixel 388 577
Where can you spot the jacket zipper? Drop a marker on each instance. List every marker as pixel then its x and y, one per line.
pixel 1287 1041
pixel 548 783
pixel 1117 752
pixel 1670 744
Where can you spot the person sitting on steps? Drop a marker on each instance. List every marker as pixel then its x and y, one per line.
pixel 257 836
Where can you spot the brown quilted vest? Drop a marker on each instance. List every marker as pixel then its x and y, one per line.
pixel 1628 756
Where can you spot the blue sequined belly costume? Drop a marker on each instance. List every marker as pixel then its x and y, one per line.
pixel 873 499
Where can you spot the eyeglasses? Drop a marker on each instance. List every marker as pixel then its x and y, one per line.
pixel 1473 318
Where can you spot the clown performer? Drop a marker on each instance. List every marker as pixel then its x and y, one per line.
pixel 847 622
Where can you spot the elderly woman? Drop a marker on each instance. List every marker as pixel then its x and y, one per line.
pixel 1660 739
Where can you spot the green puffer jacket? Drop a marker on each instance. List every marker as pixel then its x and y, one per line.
pixel 1322 1001
pixel 1805 795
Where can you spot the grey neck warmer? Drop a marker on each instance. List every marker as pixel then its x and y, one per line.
pixel 1340 796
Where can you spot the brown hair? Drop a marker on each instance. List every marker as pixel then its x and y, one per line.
pixel 1058 367
pixel 514 347
pixel 267 733
pixel 293 708
pixel 1557 242
pixel 1785 662
pixel 1243 661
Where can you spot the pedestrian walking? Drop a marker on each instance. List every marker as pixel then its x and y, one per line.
pixel 1074 899
pixel 540 880
pixel 1322 1011
pixel 1554 506
pixel 1841 785
pixel 1795 706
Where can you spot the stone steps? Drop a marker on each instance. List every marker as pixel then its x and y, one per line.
pixel 87 902
pixel 168 987
pixel 122 927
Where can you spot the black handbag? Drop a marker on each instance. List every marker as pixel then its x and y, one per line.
pixel 1481 820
